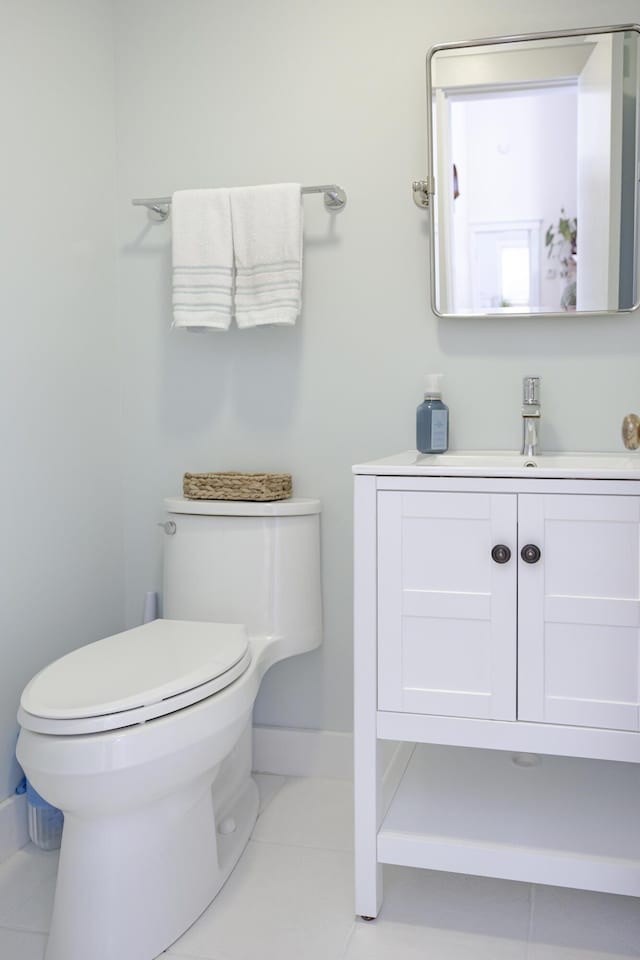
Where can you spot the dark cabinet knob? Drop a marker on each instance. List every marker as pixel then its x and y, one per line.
pixel 530 553
pixel 501 553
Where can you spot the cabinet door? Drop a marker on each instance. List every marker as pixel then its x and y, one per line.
pixel 579 611
pixel 446 609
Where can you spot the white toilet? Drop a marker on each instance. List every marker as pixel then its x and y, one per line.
pixel 144 739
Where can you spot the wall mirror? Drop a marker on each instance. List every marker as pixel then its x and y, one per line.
pixel 533 173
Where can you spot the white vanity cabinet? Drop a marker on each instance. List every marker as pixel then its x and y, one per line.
pixel 497 643
pixel 467 627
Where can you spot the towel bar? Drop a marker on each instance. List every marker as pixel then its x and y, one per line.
pixel 160 207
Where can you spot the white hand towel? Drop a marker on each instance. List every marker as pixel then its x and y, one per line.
pixel 267 242
pixel 202 259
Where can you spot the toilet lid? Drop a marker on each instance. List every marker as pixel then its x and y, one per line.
pixel 138 668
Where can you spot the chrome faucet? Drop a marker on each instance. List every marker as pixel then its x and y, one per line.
pixel 530 416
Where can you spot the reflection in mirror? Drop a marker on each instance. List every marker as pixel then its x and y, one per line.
pixel 535 155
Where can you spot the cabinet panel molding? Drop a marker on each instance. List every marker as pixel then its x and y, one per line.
pixel 446 609
pixel 579 611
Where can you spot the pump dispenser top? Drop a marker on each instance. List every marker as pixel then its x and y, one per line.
pixel 433 385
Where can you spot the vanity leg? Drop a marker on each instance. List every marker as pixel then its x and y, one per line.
pixel 368 872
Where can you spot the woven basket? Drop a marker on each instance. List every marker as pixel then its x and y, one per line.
pixel 237 486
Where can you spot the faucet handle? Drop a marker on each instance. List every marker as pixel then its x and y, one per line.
pixel 531 390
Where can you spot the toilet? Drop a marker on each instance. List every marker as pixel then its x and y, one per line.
pixel 143 739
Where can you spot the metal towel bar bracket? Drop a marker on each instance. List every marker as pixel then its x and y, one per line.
pixel 160 207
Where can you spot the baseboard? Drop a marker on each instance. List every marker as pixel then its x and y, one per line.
pixel 303 753
pixel 13 825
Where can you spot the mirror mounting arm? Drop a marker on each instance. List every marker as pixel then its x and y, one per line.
pixel 423 190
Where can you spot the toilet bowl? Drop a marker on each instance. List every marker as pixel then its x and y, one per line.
pixel 143 739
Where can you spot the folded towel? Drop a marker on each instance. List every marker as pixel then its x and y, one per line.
pixel 202 259
pixel 267 241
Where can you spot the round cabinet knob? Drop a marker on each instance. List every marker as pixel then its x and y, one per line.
pixel 530 553
pixel 501 553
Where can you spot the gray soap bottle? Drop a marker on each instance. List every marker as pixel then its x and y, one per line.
pixel 432 418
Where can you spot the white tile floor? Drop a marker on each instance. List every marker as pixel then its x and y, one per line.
pixel 290 898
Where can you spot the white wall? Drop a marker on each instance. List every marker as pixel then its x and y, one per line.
pixel 61 554
pixel 242 91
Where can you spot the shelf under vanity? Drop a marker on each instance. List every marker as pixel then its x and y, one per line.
pixel 540 819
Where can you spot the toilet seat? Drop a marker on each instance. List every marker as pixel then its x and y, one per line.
pixel 142 674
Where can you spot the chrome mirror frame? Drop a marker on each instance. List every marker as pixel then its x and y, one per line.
pixel 424 190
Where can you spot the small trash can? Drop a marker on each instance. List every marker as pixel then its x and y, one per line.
pixel 44 821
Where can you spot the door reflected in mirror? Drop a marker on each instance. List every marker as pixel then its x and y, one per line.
pixel 535 155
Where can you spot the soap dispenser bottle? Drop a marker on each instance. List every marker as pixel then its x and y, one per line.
pixel 432 418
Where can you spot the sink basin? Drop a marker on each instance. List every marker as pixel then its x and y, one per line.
pixel 506 463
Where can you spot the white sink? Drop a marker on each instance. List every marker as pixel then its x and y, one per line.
pixel 506 463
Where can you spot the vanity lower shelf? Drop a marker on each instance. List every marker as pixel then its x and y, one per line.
pixel 562 821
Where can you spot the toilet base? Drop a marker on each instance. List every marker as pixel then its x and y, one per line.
pixel 128 886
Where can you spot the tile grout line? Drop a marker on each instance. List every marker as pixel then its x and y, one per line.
pixel 300 846
pixel 348 939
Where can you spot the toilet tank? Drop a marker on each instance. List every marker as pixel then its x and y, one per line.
pixel 245 562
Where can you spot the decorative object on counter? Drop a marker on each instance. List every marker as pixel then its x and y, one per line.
pixel 561 241
pixel 432 418
pixel 631 431
pixel 237 486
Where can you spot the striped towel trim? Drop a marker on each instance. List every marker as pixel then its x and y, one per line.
pixel 226 271
pixel 222 308
pixel 201 288
pixel 275 267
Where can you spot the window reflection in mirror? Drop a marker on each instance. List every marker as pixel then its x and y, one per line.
pixel 534 150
